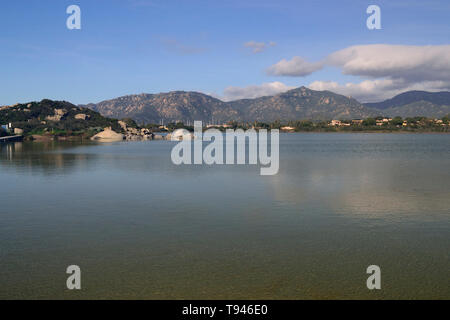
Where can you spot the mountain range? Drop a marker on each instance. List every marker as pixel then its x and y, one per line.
pixel 415 103
pixel 296 104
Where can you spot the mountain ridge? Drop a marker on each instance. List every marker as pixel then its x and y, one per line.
pixel 302 103
pixel 295 104
pixel 415 103
pixel 408 97
pixel 187 106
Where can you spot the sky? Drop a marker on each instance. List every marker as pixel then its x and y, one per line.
pixel 229 49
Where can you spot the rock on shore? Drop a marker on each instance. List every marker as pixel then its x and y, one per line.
pixel 108 135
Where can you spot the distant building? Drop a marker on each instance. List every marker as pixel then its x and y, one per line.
pixel 18 131
pixel 219 126
pixel 287 128
pixel 335 123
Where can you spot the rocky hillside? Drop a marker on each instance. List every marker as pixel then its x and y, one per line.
pixel 54 116
pixel 301 103
pixel 419 108
pixel 415 103
pixel 169 107
pixel 409 97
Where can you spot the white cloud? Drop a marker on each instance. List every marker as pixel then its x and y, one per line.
pixel 388 69
pixel 254 91
pixel 410 63
pixel 296 67
pixel 258 46
pixel 365 91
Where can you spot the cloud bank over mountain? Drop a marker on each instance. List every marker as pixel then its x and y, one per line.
pixel 386 69
pixel 254 91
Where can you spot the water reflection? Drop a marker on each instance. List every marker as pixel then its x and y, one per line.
pixel 338 204
pixel 366 176
pixel 48 158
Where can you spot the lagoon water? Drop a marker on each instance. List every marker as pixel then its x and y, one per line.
pixel 141 227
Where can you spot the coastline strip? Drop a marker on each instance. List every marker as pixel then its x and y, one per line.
pixel 11 138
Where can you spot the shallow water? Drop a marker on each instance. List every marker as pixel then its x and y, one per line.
pixel 141 227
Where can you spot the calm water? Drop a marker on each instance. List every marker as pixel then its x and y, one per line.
pixel 141 227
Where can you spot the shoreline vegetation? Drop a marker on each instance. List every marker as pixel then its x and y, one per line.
pixel 61 120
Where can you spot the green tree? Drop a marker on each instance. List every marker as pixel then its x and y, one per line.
pixel 369 122
pixel 397 121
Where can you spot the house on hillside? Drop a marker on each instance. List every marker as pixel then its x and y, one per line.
pixel 219 126
pixel 335 123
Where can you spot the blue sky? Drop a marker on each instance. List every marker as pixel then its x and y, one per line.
pixel 135 46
